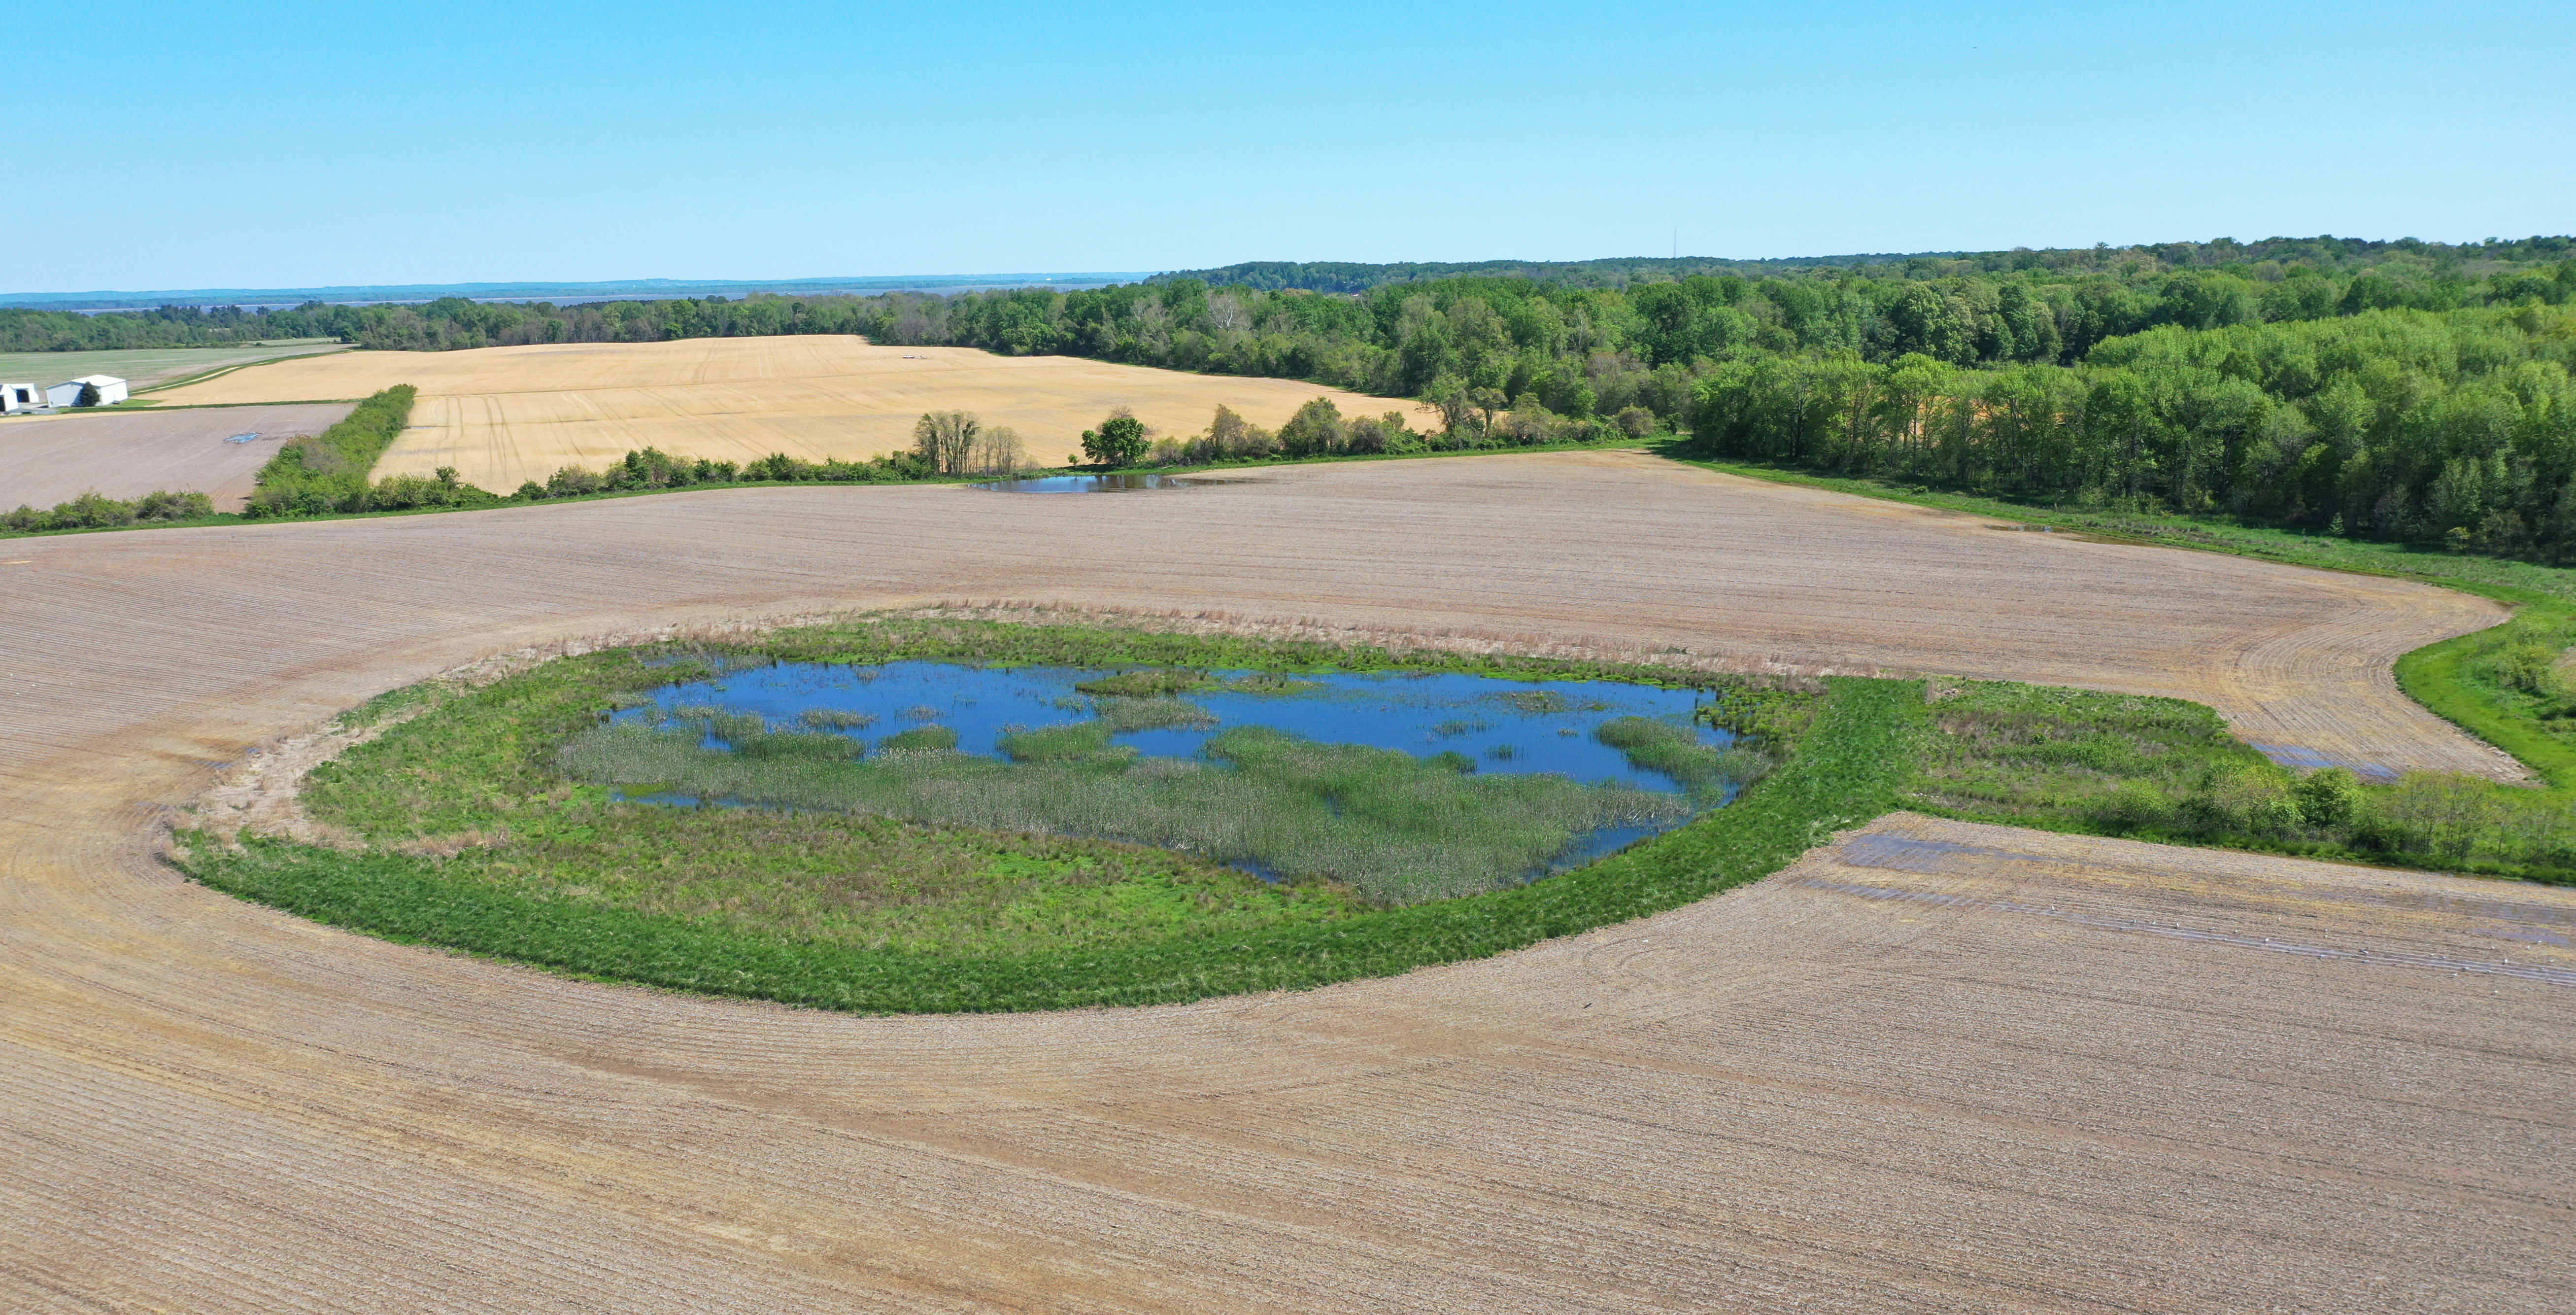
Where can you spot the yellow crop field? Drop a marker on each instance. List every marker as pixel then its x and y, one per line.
pixel 501 415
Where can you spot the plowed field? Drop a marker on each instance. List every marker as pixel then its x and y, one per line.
pixel 501 415
pixel 1938 1068
pixel 49 459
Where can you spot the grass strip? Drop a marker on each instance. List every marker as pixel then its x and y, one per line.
pixel 2445 678
pixel 1849 767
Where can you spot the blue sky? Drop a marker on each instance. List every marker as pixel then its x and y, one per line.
pixel 290 144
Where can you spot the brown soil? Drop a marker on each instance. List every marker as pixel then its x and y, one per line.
pixel 1939 1068
pixel 49 459
pixel 501 415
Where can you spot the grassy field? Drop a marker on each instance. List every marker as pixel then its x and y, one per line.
pixel 158 367
pixel 502 415
pixel 470 836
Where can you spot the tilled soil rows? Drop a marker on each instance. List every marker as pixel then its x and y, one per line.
pixel 501 415
pixel 45 460
pixel 1938 1067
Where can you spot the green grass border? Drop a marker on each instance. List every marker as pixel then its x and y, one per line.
pixel 2433 676
pixel 2430 675
pixel 1847 769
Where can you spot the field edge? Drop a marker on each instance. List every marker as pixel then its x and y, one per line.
pixel 2429 675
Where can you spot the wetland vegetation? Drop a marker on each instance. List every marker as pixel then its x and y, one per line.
pixel 2169 771
pixel 478 822
pixel 1403 786
pixel 1080 815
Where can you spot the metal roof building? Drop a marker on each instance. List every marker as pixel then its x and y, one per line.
pixel 111 390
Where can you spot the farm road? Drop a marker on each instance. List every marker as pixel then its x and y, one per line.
pixel 1939 1068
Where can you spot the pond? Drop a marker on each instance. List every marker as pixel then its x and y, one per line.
pixel 1406 785
pixel 1085 484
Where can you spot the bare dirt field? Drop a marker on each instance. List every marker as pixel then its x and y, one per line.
pixel 126 454
pixel 1939 1068
pixel 147 366
pixel 501 415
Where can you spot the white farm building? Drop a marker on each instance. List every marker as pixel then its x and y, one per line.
pixel 17 397
pixel 111 390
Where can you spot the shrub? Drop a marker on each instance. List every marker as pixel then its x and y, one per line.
pixel 1120 440
pixel 163 505
pixel 327 472
pixel 90 510
pixel 573 481
pixel 1316 429
pixel 2531 667
pixel 2329 797
pixel 94 510
pixel 407 492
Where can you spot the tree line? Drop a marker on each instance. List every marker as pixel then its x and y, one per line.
pixel 1854 302
pixel 2456 428
pixel 2404 389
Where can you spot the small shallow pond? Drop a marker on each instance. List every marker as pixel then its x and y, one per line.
pixel 1085 484
pixel 1574 769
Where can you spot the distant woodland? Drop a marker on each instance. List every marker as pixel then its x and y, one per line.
pixel 2400 390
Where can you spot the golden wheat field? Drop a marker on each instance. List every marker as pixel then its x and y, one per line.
pixel 501 415
pixel 1932 1067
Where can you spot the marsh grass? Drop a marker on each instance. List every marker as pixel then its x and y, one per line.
pixel 836 719
pixel 835 880
pixel 1396 828
pixel 1144 684
pixel 1677 752
pixel 1122 715
pixel 2164 769
pixel 920 739
pixel 484 756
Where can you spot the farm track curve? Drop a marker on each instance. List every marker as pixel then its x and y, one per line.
pixel 1935 1067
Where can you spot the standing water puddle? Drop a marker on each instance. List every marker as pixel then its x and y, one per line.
pixel 1605 763
pixel 1085 484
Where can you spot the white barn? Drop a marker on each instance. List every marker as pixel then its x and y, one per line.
pixel 17 397
pixel 111 390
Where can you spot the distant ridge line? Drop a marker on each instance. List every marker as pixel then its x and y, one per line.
pixel 604 290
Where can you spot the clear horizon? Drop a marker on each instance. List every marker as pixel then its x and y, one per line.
pixel 306 145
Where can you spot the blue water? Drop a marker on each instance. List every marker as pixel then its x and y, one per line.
pixel 1086 484
pixel 1504 725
